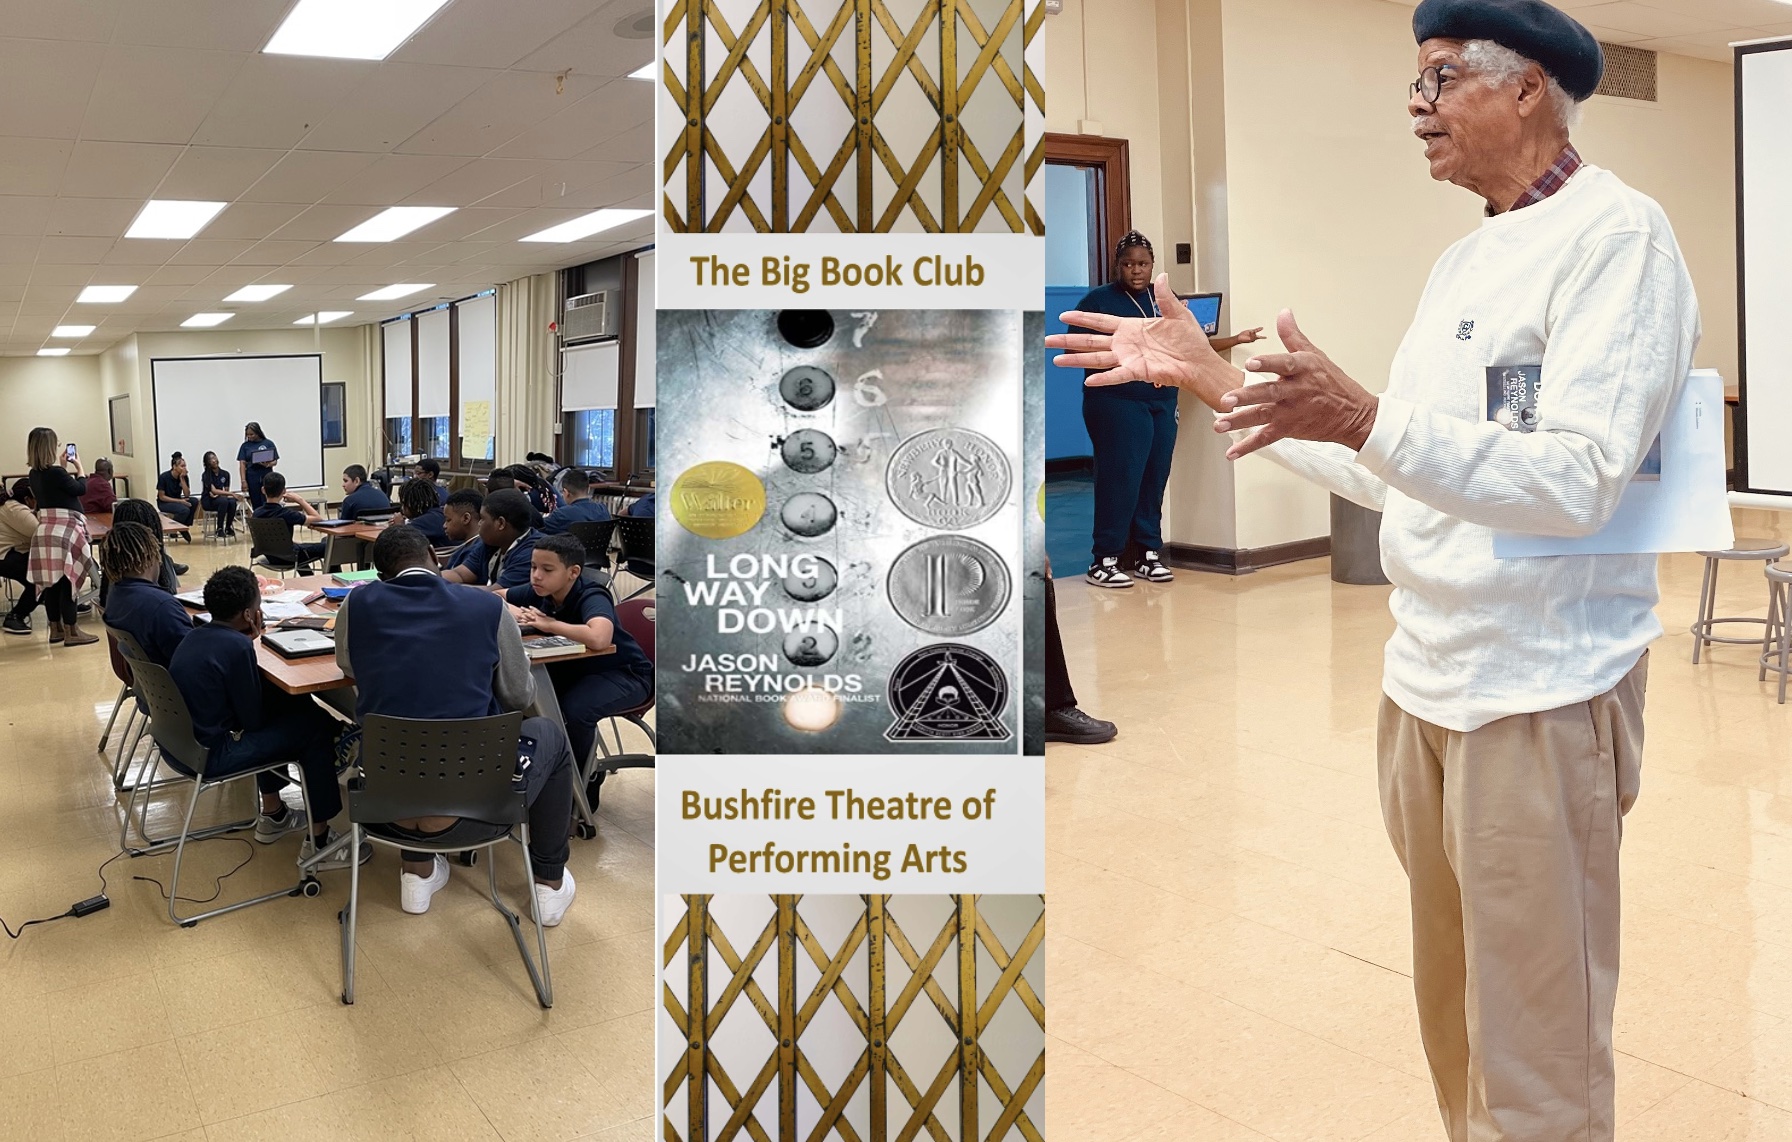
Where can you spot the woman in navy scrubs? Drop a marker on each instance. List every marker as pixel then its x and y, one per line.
pixel 1133 430
pixel 254 470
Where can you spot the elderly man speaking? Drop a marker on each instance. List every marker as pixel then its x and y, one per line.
pixel 1511 728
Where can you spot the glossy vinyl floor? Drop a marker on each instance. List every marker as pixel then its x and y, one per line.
pixel 1229 944
pixel 121 1026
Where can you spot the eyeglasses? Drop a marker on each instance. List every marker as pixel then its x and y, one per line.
pixel 1430 83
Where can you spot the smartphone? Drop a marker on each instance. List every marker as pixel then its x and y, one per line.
pixel 68 452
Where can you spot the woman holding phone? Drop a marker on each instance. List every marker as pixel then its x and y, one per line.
pixel 58 561
pixel 254 460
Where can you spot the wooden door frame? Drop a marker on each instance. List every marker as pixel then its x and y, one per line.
pixel 1111 162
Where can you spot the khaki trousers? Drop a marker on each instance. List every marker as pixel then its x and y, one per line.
pixel 1509 837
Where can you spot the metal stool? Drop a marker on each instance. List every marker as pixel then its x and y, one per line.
pixel 1776 645
pixel 1767 551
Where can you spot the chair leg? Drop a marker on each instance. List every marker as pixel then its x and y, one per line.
pixel 180 854
pixel 1770 634
pixel 127 749
pixel 350 917
pixel 1699 628
pixel 544 987
pixel 123 692
pixel 307 885
pixel 1785 649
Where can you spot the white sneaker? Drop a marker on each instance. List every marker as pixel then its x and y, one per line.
pixel 553 902
pixel 414 892
pixel 1152 568
pixel 268 830
pixel 1105 572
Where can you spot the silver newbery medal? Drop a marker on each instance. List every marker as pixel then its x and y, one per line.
pixel 949 585
pixel 949 478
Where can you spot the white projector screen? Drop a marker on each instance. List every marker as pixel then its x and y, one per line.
pixel 202 403
pixel 1764 235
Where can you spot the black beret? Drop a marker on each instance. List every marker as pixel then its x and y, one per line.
pixel 1533 29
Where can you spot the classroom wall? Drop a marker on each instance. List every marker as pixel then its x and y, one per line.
pixel 1311 194
pixel 60 392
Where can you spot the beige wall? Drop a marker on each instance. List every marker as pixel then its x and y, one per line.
pixel 1311 194
pixel 60 392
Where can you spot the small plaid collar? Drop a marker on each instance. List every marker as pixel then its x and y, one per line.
pixel 1550 181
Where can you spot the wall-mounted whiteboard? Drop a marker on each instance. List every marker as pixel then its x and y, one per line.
pixel 202 403
pixel 1764 235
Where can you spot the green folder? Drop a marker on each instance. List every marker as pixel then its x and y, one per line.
pixel 346 577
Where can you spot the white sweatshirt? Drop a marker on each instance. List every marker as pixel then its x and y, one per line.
pixel 1590 284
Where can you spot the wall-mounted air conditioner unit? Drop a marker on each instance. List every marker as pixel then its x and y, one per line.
pixel 590 317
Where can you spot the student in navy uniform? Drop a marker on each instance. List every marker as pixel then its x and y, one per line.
pixel 478 669
pixel 144 512
pixel 431 470
pixel 215 495
pixel 137 603
pixel 174 497
pixel 418 504
pixel 255 460
pixel 460 521
pixel 560 600
pixel 291 509
pixel 642 506
pixel 361 498
pixel 244 721
pixel 575 486
pixel 1132 428
pixel 505 539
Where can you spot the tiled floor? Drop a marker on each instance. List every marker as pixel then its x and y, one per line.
pixel 1229 949
pixel 121 1026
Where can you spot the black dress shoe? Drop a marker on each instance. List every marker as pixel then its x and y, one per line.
pixel 180 568
pixel 1072 725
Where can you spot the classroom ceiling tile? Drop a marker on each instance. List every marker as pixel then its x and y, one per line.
pixel 74 251
pixel 393 178
pixel 100 169
pixel 307 176
pixel 156 95
pixel 93 217
pixel 89 20
pixel 179 275
pixel 593 48
pixel 620 105
pixel 492 35
pixel 504 108
pixel 1680 45
pixel 33 166
pixel 273 252
pixel 211 251
pixel 253 220
pixel 24 214
pixel 140 253
pixel 471 183
pixel 226 25
pixel 396 102
pixel 217 174
pixel 44 86
pixel 273 101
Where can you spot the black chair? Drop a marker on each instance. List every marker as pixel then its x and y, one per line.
pixel 634 538
pixel 465 769
pixel 171 725
pixel 595 535
pixel 271 546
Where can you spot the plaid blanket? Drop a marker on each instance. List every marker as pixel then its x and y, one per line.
pixel 59 548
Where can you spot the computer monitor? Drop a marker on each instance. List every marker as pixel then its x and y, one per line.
pixel 1206 308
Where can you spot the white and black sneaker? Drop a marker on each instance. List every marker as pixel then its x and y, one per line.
pixel 1152 568
pixel 1105 572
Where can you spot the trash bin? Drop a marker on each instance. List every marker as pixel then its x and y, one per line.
pixel 1356 544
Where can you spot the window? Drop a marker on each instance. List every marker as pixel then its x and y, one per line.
pixel 593 437
pixel 432 433
pixel 644 439
pixel 335 420
pixel 398 436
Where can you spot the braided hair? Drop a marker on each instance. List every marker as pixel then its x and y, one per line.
pixel 131 550
pixel 416 496
pixel 1132 239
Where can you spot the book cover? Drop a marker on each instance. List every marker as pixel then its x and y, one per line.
pixel 1514 393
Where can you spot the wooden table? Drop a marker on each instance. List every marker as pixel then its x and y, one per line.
pixel 99 523
pixel 321 674
pixel 345 541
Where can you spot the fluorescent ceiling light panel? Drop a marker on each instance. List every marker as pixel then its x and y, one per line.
pixel 100 295
pixel 394 292
pixel 395 222
pixel 71 331
pixel 350 29
pixel 173 218
pixel 206 320
pixel 325 317
pixel 52 352
pixel 586 225
pixel 257 292
pixel 645 71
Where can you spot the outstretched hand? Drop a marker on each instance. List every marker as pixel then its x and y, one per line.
pixel 1313 400
pixel 1171 350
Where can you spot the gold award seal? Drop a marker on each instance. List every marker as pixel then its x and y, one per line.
pixel 717 500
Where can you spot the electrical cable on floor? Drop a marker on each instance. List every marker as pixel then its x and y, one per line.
pixel 94 904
